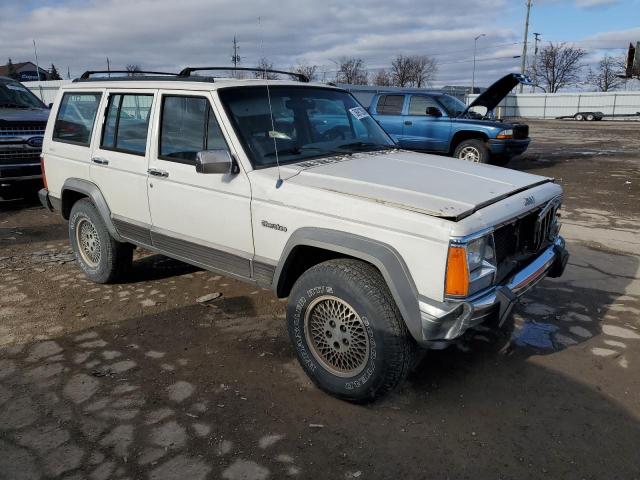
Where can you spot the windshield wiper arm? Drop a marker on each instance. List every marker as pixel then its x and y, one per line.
pixel 12 105
pixel 365 145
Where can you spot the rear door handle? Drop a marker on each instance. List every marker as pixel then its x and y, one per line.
pixel 158 173
pixel 407 122
pixel 100 160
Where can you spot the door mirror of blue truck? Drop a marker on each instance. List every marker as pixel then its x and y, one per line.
pixel 433 112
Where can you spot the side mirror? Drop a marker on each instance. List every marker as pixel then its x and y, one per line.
pixel 433 112
pixel 214 161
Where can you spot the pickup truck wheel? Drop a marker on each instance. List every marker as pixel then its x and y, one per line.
pixel 99 255
pixel 474 150
pixel 347 331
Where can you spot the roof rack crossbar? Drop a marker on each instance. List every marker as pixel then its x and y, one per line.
pixel 87 75
pixel 186 72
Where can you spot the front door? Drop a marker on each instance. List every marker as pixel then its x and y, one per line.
pixel 201 218
pixel 423 131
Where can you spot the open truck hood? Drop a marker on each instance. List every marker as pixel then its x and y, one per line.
pixel 432 185
pixel 493 95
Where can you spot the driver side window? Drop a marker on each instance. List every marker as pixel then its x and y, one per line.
pixel 187 126
pixel 419 105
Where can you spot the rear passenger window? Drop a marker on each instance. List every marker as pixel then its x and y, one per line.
pixel 390 105
pixel 127 123
pixel 188 125
pixel 76 116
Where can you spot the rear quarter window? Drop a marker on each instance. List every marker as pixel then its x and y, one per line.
pixel 76 118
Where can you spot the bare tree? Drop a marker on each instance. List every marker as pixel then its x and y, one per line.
pixel 557 66
pixel 263 66
pixel 402 71
pixel 309 71
pixel 351 70
pixel 133 69
pixel 424 70
pixel 11 71
pixel 606 76
pixel 382 78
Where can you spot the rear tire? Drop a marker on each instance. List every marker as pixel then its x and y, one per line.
pixel 473 150
pixel 347 331
pixel 100 256
pixel 590 117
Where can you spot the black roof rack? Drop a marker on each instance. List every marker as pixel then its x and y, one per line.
pixel 186 72
pixel 87 75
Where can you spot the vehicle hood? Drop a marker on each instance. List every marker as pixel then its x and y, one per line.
pixel 432 185
pixel 11 115
pixel 493 95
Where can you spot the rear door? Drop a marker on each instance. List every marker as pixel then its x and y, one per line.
pixel 119 160
pixel 201 218
pixel 422 131
pixel 388 112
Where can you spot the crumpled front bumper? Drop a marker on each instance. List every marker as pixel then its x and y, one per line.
pixel 443 323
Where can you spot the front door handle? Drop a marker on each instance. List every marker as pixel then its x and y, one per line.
pixel 158 173
pixel 408 122
pixel 100 160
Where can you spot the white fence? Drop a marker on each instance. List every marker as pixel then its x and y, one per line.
pixel 551 105
pixel 46 90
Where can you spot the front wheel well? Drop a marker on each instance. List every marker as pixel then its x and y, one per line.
pixel 466 135
pixel 300 259
pixel 69 198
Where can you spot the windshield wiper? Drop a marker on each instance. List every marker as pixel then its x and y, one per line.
pixel 362 145
pixel 296 151
pixel 12 105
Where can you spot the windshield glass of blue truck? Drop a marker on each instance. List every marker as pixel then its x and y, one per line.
pixel 307 123
pixel 14 95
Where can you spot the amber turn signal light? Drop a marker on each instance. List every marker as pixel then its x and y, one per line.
pixel 457 283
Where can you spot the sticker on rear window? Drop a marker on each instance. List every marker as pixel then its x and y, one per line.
pixel 359 112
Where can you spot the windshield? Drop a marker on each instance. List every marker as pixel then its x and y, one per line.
pixel 307 123
pixel 452 105
pixel 15 95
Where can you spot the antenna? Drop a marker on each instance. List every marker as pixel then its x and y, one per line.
pixel 279 182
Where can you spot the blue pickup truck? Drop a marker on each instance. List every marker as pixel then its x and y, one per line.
pixel 439 123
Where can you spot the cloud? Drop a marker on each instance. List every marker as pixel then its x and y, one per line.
pixel 596 3
pixel 171 34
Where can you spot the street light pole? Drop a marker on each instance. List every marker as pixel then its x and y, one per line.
pixel 473 76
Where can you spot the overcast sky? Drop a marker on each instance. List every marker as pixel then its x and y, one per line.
pixel 171 34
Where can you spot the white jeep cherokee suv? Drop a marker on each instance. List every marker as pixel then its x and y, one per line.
pixel 293 186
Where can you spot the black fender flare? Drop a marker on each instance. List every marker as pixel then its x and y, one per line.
pixel 92 191
pixel 381 255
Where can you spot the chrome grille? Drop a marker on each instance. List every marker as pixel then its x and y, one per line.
pixel 10 157
pixel 32 130
pixel 522 238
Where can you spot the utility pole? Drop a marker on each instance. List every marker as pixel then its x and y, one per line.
pixel 535 55
pixel 236 56
pixel 473 77
pixel 108 68
pixel 523 64
pixel 68 73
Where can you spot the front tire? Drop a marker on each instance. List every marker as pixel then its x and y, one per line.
pixel 100 256
pixel 473 150
pixel 348 333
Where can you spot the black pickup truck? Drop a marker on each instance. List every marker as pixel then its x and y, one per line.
pixel 23 118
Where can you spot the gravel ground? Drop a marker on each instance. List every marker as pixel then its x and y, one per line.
pixel 139 380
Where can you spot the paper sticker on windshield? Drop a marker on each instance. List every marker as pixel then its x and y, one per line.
pixel 16 87
pixel 280 135
pixel 359 112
